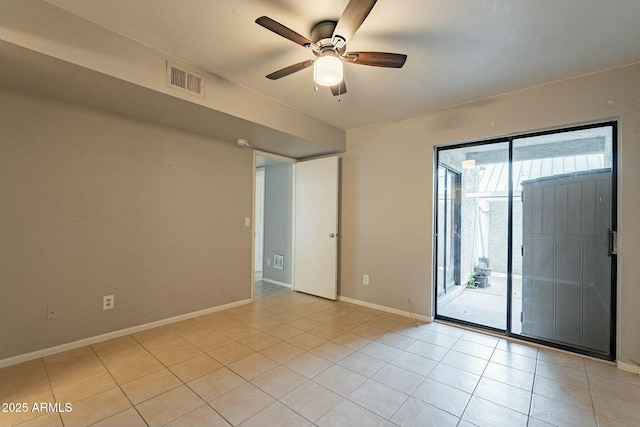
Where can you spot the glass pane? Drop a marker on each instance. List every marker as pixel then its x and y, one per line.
pixel 472 240
pixel 441 242
pixel 561 216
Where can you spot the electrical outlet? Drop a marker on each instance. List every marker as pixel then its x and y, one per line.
pixel 365 279
pixel 52 313
pixel 107 302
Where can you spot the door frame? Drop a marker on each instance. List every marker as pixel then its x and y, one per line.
pixel 283 159
pixel 613 319
pixel 434 267
pixel 454 223
pixel 259 172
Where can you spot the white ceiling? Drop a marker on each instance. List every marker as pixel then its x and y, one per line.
pixel 458 50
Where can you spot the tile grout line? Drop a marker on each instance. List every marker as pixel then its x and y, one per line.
pixel 320 385
pixel 120 385
pixel 205 402
pixel 46 371
pixel 533 385
pixel 480 379
pixel 593 404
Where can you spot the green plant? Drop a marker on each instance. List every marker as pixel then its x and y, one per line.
pixel 472 282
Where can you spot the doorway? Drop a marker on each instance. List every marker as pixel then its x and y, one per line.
pixel 300 239
pixel 273 226
pixel 536 233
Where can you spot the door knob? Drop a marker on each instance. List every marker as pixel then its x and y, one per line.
pixel 332 235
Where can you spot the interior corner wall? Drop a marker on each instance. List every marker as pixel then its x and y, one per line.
pixel 278 218
pixel 388 187
pixel 96 204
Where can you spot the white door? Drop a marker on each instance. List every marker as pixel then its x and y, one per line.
pixel 316 227
pixel 259 224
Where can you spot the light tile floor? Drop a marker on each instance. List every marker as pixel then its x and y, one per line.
pixel 297 360
pixel 262 290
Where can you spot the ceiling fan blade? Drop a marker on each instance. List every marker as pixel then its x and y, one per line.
pixel 285 32
pixel 290 69
pixel 353 16
pixel 377 59
pixel 339 89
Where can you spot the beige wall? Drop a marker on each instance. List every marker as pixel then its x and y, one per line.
pixel 42 27
pixel 95 204
pixel 387 188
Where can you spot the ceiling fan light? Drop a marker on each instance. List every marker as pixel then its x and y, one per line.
pixel 327 70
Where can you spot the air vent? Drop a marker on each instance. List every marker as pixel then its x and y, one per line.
pixel 184 80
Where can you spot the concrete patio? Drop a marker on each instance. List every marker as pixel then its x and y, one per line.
pixel 484 306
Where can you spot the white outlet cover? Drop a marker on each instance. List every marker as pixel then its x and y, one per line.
pixel 108 302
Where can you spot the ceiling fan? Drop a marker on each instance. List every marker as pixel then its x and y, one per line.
pixel 328 42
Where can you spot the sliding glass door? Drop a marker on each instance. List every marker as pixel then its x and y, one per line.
pixel 564 181
pixel 449 226
pixel 473 182
pixel 535 244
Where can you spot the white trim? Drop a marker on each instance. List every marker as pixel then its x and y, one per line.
pixel 253 225
pixel 258 171
pixel 628 367
pixel 275 282
pixel 273 156
pixel 294 179
pixel 115 334
pixel 428 319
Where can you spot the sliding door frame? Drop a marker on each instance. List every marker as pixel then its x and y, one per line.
pixel 452 217
pixel 613 124
pixel 435 234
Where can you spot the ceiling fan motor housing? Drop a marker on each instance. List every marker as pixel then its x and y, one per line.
pixel 322 37
pixel 323 30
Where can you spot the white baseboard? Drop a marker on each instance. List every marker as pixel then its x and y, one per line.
pixel 275 282
pixel 115 334
pixel 403 313
pixel 628 367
